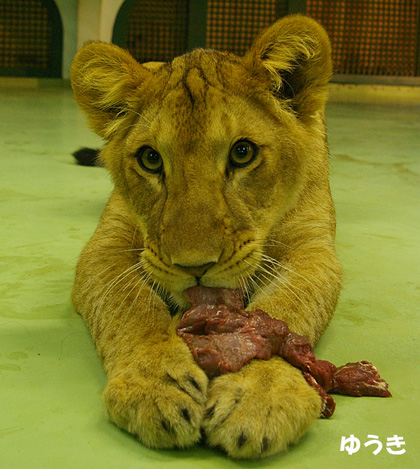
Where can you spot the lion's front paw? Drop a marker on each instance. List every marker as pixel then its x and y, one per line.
pixel 163 405
pixel 260 410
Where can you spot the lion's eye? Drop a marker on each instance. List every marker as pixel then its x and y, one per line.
pixel 242 153
pixel 149 159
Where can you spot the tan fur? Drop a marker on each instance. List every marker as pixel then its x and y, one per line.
pixel 268 227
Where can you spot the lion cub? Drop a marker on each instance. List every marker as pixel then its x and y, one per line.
pixel 220 165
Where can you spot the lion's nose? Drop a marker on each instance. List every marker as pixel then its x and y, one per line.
pixel 195 270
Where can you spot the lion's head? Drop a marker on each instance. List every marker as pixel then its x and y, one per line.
pixel 211 151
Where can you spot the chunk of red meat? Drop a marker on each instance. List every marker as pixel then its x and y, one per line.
pixel 225 352
pixel 359 379
pixel 198 295
pixel 223 337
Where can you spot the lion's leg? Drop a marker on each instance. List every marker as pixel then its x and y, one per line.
pixel 268 405
pixel 155 389
pixel 302 291
pixel 260 410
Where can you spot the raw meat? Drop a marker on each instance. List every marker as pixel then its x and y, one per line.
pixel 223 337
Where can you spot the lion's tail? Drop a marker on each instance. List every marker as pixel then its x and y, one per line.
pixel 88 157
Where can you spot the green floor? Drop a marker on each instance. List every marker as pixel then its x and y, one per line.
pixel 51 414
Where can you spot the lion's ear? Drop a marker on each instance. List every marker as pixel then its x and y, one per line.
pixel 104 77
pixel 296 53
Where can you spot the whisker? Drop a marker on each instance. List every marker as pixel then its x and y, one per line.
pixel 276 274
pixel 251 287
pixel 151 299
pixel 142 276
pixel 116 281
pixel 127 109
pixel 131 250
pixel 275 262
pixel 244 287
pixel 142 280
pixel 273 277
pixel 101 272
pixel 263 289
pixel 271 242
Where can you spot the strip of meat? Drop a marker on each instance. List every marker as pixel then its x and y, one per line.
pixel 328 403
pixel 359 379
pixel 223 337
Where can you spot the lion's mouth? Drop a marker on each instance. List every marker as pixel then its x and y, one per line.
pixel 234 270
pixel 196 271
